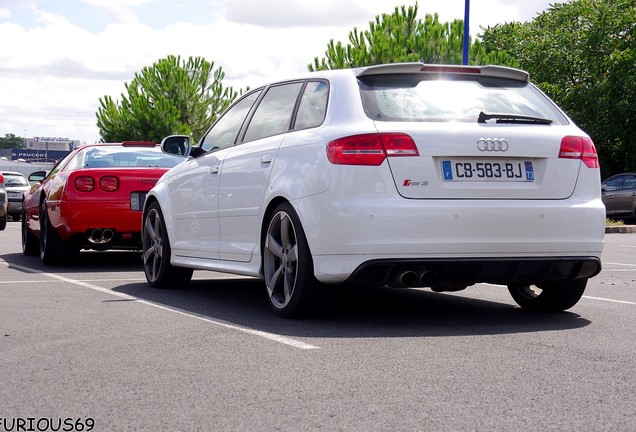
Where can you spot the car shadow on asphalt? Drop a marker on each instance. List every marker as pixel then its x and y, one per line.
pixel 84 262
pixel 341 312
pixel 344 312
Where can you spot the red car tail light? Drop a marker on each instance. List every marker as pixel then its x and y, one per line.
pixel 1 178
pixel 370 149
pixel 578 147
pixel 109 183
pixel 84 184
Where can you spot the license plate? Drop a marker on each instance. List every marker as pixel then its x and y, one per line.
pixel 487 170
pixel 14 194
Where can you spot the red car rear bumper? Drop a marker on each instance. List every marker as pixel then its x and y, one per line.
pixel 79 217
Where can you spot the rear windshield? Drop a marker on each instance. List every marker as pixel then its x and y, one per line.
pixel 15 180
pixel 122 157
pixel 426 98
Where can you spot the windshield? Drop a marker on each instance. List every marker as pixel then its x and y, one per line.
pixel 15 180
pixel 122 157
pixel 425 98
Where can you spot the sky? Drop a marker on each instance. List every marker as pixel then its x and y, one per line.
pixel 59 57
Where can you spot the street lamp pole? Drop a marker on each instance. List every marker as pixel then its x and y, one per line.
pixel 466 32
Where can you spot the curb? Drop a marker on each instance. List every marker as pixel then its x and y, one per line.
pixel 621 229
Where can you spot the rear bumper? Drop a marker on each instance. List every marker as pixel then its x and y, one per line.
pixel 70 218
pixel 369 232
pixel 445 273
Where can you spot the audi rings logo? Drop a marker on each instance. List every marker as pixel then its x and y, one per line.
pixel 492 144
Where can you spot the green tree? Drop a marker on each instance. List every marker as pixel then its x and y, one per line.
pixel 403 37
pixel 583 54
pixel 173 96
pixel 11 141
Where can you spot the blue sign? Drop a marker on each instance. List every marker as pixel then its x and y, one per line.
pixel 30 155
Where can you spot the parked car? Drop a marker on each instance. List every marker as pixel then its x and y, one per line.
pixel 16 184
pixel 92 199
pixel 4 204
pixel 405 175
pixel 619 195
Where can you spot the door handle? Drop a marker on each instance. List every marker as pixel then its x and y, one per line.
pixel 266 159
pixel 214 169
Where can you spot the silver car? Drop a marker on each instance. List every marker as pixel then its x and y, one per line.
pixel 15 184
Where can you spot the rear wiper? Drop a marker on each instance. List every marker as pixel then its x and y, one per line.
pixel 512 118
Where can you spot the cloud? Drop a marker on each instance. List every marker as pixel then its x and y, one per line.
pixel 119 11
pixel 64 56
pixel 49 19
pixel 290 13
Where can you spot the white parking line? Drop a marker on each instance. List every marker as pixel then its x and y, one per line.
pixel 78 280
pixel 91 280
pixel 606 270
pixel 619 264
pixel 609 300
pixel 266 335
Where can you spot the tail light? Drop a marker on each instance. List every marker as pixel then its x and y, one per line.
pixel 370 149
pixel 578 147
pixel 1 178
pixel 109 183
pixel 87 184
pixel 84 184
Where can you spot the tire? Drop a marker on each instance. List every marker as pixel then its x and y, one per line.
pixel 3 222
pixel 548 297
pixel 287 265
pixel 53 250
pixel 50 243
pixel 30 244
pixel 156 253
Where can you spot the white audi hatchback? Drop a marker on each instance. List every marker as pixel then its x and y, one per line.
pixel 406 175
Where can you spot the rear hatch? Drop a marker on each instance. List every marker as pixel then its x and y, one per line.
pixel 473 162
pixel 480 132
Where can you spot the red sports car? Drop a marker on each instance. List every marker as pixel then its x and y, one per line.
pixel 92 199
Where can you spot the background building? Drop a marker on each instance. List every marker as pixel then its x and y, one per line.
pixel 43 149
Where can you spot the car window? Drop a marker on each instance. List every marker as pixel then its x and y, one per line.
pixel 613 183
pixel 273 114
pixel 61 165
pixel 76 162
pixel 15 180
pixel 313 105
pixel 630 182
pixel 417 98
pixel 224 131
pixel 112 156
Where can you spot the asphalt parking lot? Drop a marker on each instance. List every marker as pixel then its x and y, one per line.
pixel 92 345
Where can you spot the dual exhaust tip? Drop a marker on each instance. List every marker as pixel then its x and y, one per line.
pixel 101 236
pixel 411 278
pixel 425 278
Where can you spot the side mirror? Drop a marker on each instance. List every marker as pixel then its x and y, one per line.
pixel 180 145
pixel 37 177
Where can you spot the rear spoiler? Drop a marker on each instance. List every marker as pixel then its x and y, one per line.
pixel 488 70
